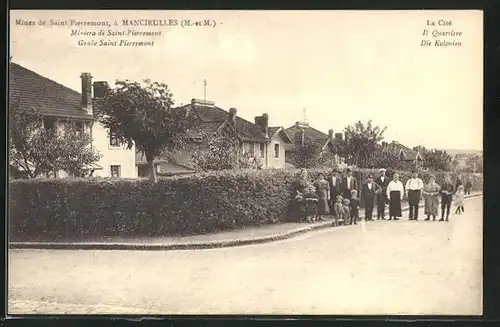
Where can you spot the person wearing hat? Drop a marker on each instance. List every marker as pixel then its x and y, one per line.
pixel 414 188
pixel 349 183
pixel 447 191
pixel 335 182
pixel 382 181
pixel 368 195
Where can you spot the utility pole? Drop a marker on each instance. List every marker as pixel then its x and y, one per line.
pixel 304 121
pixel 205 90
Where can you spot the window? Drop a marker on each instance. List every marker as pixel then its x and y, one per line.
pixel 79 128
pixel 113 139
pixel 49 124
pixel 116 171
pixel 142 171
pixel 251 149
pixel 246 148
pixel 262 149
pixel 276 150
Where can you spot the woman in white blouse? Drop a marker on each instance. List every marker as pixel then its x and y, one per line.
pixel 395 192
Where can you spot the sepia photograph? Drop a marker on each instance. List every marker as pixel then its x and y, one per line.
pixel 178 162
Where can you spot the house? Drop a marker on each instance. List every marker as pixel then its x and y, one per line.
pixel 404 153
pixel 60 105
pixel 302 134
pixel 471 162
pixel 258 140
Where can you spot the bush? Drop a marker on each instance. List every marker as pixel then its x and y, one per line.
pixel 51 209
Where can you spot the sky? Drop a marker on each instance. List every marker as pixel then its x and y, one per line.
pixel 340 66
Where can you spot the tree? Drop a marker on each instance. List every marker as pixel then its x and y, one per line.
pixel 306 156
pixel 221 152
pixel 385 159
pixel 37 151
pixel 360 143
pixel 142 114
pixel 437 160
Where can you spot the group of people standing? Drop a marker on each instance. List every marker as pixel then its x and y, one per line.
pixel 338 195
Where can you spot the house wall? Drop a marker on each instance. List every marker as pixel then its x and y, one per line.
pixel 112 155
pixel 272 161
pixel 254 148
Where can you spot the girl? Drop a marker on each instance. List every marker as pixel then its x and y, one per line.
pixel 311 204
pixel 338 209
pixel 347 211
pixel 459 199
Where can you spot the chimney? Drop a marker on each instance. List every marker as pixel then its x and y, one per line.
pixel 101 89
pixel 330 134
pixel 297 124
pixel 265 124
pixel 299 137
pixel 232 116
pixel 338 136
pixel 87 92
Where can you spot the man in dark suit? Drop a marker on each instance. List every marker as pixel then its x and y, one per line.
pixel 349 183
pixel 383 182
pixel 335 182
pixel 368 194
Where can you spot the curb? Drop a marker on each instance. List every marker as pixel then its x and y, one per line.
pixel 185 246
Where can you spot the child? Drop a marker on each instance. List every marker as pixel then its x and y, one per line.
pixel 311 203
pixel 459 200
pixel 338 210
pixel 301 203
pixel 354 207
pixel 347 211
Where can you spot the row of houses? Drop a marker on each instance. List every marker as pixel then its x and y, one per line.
pixel 60 105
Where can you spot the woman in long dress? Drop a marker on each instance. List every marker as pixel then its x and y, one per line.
pixel 431 195
pixel 302 185
pixel 395 192
pixel 323 193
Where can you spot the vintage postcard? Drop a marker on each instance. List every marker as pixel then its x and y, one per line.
pixel 245 162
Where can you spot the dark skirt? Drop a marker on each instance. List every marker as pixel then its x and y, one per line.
pixel 413 197
pixel 323 207
pixel 395 204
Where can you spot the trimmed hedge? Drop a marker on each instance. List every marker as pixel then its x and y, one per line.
pixel 53 209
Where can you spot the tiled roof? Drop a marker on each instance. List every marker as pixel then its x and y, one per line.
pixel 140 159
pixel 310 133
pixel 273 130
pixel 408 153
pixel 30 90
pixel 204 127
pixel 176 159
pixel 211 117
